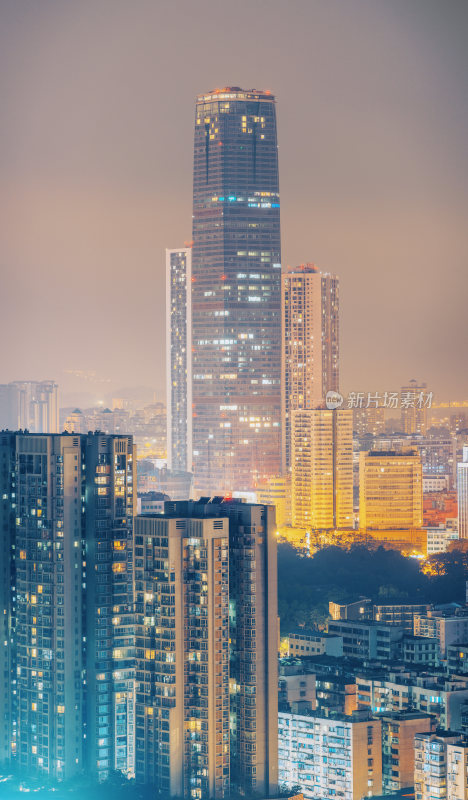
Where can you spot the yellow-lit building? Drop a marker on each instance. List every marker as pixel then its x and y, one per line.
pixel 277 492
pixel 390 489
pixel 322 468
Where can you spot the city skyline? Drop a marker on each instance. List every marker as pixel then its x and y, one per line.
pixel 372 176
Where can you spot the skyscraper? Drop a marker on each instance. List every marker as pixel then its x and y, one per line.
pixel 462 489
pixel 310 343
pixel 322 468
pixel 179 358
pixel 236 269
pixel 182 699
pixel 30 405
pixel 67 584
pixel 207 682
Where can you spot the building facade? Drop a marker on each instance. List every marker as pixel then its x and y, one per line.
pixel 462 488
pixel 310 344
pixel 30 405
pixel 440 766
pixel 206 603
pixel 413 407
pixel 71 508
pixel 236 270
pixel 179 358
pixel 322 468
pixel 335 756
pixel 390 490
pixel 182 638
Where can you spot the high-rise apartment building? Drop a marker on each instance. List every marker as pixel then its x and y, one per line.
pixel 413 403
pixel 390 489
pixel 236 270
pixel 322 468
pixel 29 405
pixel 207 681
pixel 179 358
pixel 462 489
pixel 67 540
pixel 182 639
pixel 310 343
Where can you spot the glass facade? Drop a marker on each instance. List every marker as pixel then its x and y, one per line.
pixel 236 274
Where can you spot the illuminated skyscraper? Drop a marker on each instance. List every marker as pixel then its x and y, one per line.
pixel 390 489
pixel 179 358
pixel 310 343
pixel 67 562
pixel 462 487
pixel 236 291
pixel 322 468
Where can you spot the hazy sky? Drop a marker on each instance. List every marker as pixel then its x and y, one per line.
pixel 96 154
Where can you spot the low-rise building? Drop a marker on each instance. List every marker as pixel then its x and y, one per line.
pixel 439 539
pixel 330 757
pixel 367 640
pixel 420 650
pixel 357 609
pixel 399 613
pixel 457 659
pixel 447 629
pixel 304 642
pixel 431 694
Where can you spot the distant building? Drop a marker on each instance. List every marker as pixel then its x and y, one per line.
pixel 151 502
pixel 436 483
pixel 368 421
pixel 390 495
pixel 29 405
pixel 359 609
pixel 439 539
pixel 179 358
pixel 399 614
pixel 327 755
pixel 413 407
pixel 457 659
pixel 310 344
pixel 446 629
pixel 322 468
pixel 462 485
pixel 277 492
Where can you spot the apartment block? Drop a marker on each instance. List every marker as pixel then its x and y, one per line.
pixel 228 713
pixel 336 756
pixel 398 732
